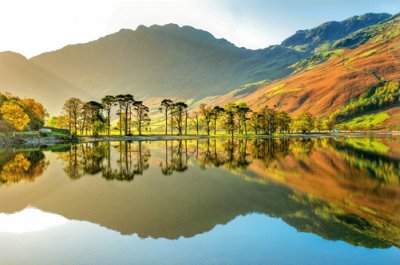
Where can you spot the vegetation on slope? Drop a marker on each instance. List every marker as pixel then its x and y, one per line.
pixel 341 83
pixel 323 36
pixel 377 98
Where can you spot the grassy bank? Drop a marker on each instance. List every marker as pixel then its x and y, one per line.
pixel 35 138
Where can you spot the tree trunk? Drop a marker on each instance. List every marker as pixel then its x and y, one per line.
pixel 186 119
pixel 109 122
pixel 166 121
pixel 126 120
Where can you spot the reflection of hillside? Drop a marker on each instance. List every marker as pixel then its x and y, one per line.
pixel 383 167
pixel 19 166
pixel 351 183
pixel 310 184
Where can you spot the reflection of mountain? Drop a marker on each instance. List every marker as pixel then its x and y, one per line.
pixel 361 188
pixel 281 178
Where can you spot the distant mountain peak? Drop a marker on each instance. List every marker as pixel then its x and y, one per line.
pixel 332 30
pixel 10 54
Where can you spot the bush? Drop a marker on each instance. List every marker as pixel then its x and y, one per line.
pixel 44 134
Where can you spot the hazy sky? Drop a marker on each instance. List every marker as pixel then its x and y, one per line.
pixel 31 27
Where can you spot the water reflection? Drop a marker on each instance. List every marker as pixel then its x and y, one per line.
pixel 16 166
pixel 97 157
pixel 339 189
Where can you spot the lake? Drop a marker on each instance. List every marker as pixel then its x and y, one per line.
pixel 271 201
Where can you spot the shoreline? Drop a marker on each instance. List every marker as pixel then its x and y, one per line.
pixel 226 137
pixel 6 141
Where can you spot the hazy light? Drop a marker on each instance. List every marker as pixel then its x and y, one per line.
pixel 29 220
pixel 31 27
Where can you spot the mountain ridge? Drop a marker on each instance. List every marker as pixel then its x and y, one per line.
pixel 332 30
pixel 346 83
pixel 155 62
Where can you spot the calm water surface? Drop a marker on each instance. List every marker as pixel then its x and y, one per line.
pixel 283 201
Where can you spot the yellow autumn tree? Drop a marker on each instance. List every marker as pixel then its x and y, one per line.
pixel 14 115
pixel 36 112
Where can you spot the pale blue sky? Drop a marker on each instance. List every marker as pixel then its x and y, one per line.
pixel 31 27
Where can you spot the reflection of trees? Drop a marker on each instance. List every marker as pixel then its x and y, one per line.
pixel 176 157
pixel 18 166
pixel 269 150
pixel 133 160
pixel 97 157
pixel 236 154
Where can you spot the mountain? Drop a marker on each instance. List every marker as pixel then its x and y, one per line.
pixel 169 61
pixel 165 61
pixel 324 35
pixel 24 78
pixel 358 77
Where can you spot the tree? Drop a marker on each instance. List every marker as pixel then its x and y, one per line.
pixel 230 113
pixel 13 114
pixel 124 103
pixel 141 115
pixel 166 105
pixel 207 115
pixel 329 124
pixel 195 119
pixel 108 102
pixel 242 110
pixel 283 121
pixel 178 110
pixel 92 117
pixel 318 125
pixel 36 112
pixel 304 122
pixel 271 120
pixel 217 111
pixel 73 109
pixel 255 122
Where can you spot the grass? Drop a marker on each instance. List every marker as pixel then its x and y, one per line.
pixel 365 121
pixel 280 90
pixel 37 133
pixel 369 53
pixel 277 87
pixel 285 91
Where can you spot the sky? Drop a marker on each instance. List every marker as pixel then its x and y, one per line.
pixel 31 27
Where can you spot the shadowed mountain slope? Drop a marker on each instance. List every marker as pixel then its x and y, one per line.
pixel 26 79
pixel 165 61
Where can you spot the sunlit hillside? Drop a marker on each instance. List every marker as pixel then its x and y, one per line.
pixel 360 74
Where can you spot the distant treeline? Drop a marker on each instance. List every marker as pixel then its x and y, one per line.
pixel 95 118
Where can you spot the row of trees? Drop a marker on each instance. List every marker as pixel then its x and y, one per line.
pixel 96 117
pixel 234 118
pixel 18 114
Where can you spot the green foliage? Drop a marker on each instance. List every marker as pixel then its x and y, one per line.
pixel 381 32
pixel 369 53
pixel 384 95
pixel 319 58
pixel 249 88
pixel 305 122
pixel 365 122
